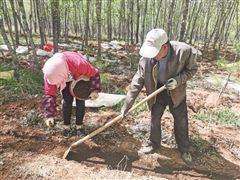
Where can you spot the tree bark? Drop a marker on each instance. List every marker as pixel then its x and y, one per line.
pixel 109 19
pixel 158 13
pixel 194 22
pixel 206 27
pixel 137 23
pixel 86 23
pixel 170 16
pixel 40 22
pixel 7 20
pixel 55 23
pixel 131 21
pixel 99 35
pixel 184 19
pixel 66 24
pixel 15 22
pixel 5 38
pixel 190 17
pixel 28 32
pixel 144 19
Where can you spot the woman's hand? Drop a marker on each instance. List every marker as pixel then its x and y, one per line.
pixel 94 95
pixel 49 122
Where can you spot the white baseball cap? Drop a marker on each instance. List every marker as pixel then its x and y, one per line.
pixel 153 43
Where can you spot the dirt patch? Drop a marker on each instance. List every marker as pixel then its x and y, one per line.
pixel 35 152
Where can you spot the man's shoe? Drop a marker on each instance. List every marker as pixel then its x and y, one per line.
pixel 187 158
pixel 149 148
pixel 64 127
pixel 80 127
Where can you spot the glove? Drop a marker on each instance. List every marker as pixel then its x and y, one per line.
pixel 94 95
pixel 49 122
pixel 171 84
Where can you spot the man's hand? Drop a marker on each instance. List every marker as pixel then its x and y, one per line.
pixel 49 122
pixel 171 84
pixel 94 95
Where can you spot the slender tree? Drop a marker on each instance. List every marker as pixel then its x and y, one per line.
pixel 138 21
pixel 109 19
pixel 87 23
pixel 26 29
pixel 143 20
pixel 55 23
pixel 184 19
pixel 40 21
pixel 99 26
pixel 170 16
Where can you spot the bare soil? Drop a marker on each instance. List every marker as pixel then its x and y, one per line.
pixel 35 152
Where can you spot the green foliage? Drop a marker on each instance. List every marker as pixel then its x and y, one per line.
pixel 203 147
pixel 118 106
pixel 230 67
pixel 140 109
pixel 237 47
pixel 27 82
pixel 104 79
pixel 32 118
pixel 222 116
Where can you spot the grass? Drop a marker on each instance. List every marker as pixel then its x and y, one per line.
pixel 230 67
pixel 105 80
pixel 140 109
pixel 223 116
pixel 237 47
pixel 203 147
pixel 27 82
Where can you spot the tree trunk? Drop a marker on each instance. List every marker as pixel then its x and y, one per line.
pixel 170 16
pixel 46 19
pixel 93 20
pixel 15 22
pixel 40 22
pixel 26 29
pixel 34 16
pixel 66 24
pixel 86 24
pixel 109 19
pixel 32 8
pixel 7 19
pixel 190 17
pixel 99 35
pixel 144 18
pixel 237 23
pixel 123 28
pixel 75 21
pixel 184 19
pixel 137 23
pixel 194 21
pixel 131 21
pixel 5 38
pixel 158 13
pixel 223 25
pixel 128 22
pixel 121 19
pixel 55 23
pixel 206 26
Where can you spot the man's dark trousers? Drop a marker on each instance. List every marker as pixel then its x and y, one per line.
pixel 180 116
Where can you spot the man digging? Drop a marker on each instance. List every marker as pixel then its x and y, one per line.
pixel 168 63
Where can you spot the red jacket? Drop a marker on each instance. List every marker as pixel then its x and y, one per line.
pixel 78 66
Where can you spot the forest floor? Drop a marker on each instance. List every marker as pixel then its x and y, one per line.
pixel 28 150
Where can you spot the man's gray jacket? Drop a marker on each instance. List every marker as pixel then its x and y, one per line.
pixel 181 65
